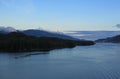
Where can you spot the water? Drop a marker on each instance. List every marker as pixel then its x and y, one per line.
pixel 101 61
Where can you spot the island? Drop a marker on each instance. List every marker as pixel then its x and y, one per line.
pixel 20 42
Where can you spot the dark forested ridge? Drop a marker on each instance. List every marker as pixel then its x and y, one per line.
pixel 19 42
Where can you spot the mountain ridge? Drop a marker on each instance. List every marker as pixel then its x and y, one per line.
pixel 114 39
pixel 19 42
pixel 37 33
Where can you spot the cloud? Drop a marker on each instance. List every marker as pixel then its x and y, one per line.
pixel 7 29
pixel 118 25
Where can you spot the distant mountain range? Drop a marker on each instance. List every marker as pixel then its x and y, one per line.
pixel 114 39
pixel 41 33
pixel 72 35
pixel 37 33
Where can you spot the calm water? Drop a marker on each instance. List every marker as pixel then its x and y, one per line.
pixel 101 61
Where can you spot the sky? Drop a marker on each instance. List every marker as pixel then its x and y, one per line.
pixel 60 15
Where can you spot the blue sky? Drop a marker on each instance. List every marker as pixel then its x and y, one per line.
pixel 60 15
